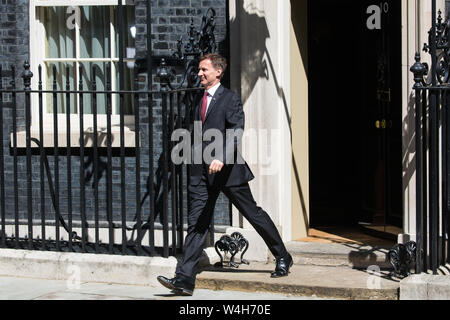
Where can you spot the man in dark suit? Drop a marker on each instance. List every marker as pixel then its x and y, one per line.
pixel 220 112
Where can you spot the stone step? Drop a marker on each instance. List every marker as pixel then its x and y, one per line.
pixel 344 255
pixel 339 282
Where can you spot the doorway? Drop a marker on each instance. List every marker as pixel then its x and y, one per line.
pixel 355 123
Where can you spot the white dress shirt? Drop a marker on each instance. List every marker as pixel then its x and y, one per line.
pixel 211 91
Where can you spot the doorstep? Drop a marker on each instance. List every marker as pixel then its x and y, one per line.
pixel 303 280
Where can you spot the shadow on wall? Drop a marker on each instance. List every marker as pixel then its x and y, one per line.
pixel 409 143
pixel 409 136
pixel 256 62
pixel 252 25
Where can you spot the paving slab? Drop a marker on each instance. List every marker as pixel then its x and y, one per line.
pixel 18 288
pixel 12 288
pixel 439 288
pixel 425 286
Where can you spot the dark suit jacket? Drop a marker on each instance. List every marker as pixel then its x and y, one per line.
pixel 224 112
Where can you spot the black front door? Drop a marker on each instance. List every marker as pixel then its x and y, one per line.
pixel 355 112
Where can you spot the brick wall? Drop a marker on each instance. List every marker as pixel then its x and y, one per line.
pixel 14 46
pixel 14 33
pixel 447 8
pixel 170 20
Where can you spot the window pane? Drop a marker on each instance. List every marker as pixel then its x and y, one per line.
pixel 88 84
pixel 128 31
pixel 129 51
pixel 128 82
pixel 95 31
pixel 61 82
pixel 101 79
pixel 59 24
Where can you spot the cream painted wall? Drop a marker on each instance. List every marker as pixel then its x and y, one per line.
pixel 416 22
pixel 299 119
pixel 260 68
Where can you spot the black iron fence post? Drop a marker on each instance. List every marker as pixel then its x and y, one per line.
pixel 95 158
pixel 434 150
pixel 2 169
pixel 165 75
pixel 15 166
pixel 109 197
pixel 56 156
pixel 137 125
pixel 27 75
pixel 419 70
pixel 444 170
pixel 84 229
pixel 42 158
pixel 122 127
pixel 151 174
pixel 68 156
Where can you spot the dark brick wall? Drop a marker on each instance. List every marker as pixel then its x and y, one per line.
pixel 170 21
pixel 447 8
pixel 14 47
pixel 14 35
pixel 14 50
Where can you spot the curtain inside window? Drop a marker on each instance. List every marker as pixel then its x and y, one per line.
pixel 60 43
pixel 95 43
pixel 128 21
pixel 61 82
pixel 60 32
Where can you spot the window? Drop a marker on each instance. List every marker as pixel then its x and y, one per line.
pixel 82 34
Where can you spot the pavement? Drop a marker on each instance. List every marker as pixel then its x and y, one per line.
pixel 19 288
pixel 320 271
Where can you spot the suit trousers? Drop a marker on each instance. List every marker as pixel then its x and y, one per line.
pixel 202 202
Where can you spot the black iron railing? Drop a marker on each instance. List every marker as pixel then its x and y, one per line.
pixel 93 194
pixel 165 187
pixel 432 134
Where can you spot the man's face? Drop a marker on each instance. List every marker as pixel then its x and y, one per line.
pixel 209 76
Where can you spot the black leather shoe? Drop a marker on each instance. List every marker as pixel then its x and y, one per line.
pixel 177 284
pixel 282 267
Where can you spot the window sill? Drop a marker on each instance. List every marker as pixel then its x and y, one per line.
pixel 48 135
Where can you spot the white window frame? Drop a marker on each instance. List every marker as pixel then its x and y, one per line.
pixel 37 57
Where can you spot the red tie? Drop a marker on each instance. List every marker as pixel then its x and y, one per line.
pixel 204 105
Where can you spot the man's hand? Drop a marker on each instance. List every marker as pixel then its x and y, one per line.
pixel 215 166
